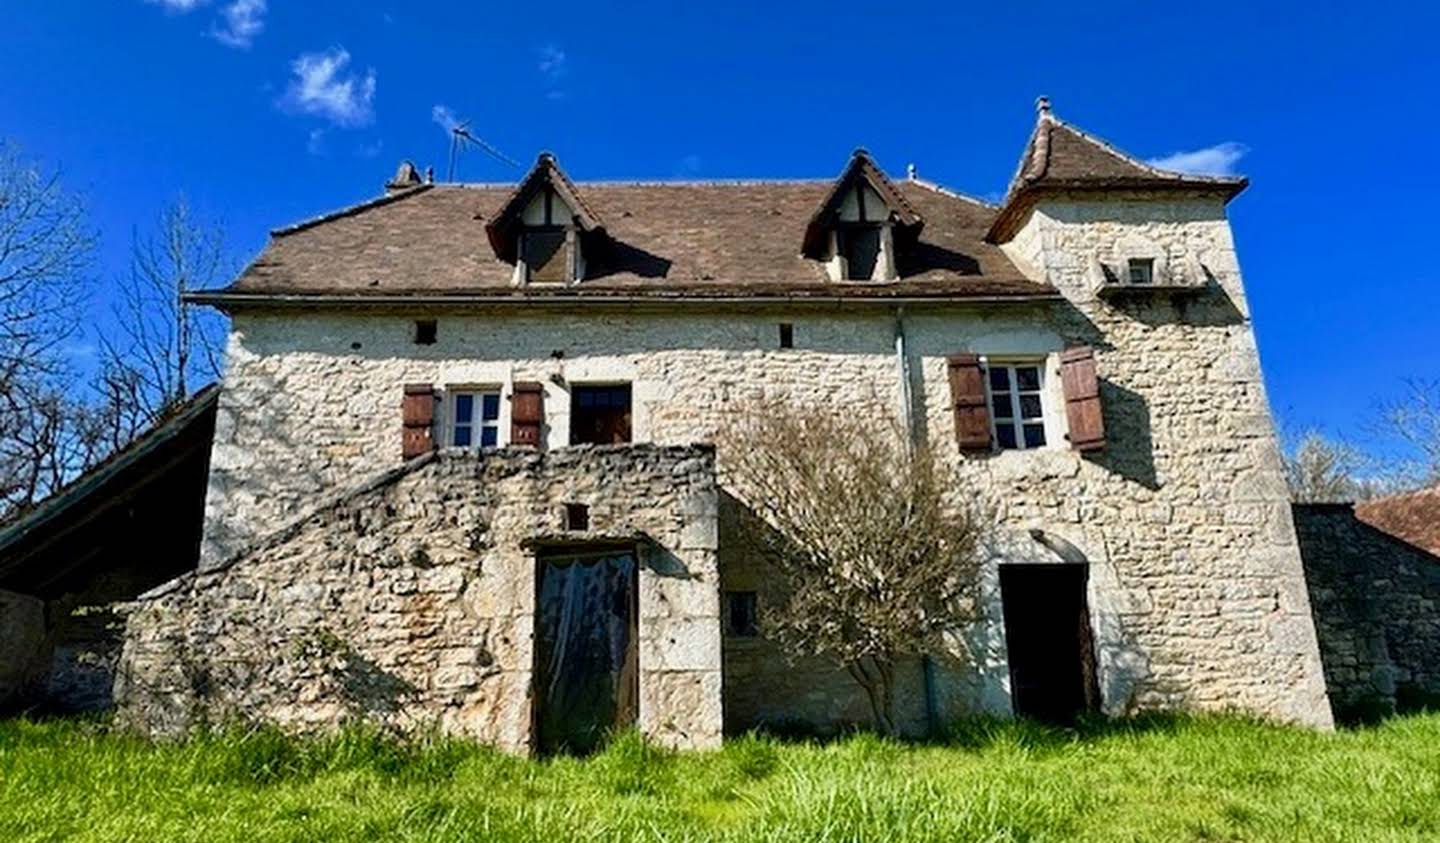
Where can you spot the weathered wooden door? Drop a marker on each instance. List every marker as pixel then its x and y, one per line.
pixel 586 667
pixel 1048 636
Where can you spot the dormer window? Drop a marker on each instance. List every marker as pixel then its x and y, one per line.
pixel 856 230
pixel 545 229
pixel 1141 271
pixel 549 253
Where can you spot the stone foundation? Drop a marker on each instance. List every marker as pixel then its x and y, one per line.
pixel 410 601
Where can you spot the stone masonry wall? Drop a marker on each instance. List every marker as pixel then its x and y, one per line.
pixel 1196 590
pixel 24 649
pixel 410 600
pixel 1377 612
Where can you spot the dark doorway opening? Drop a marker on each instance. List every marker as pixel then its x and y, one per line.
pixel 600 415
pixel 1051 645
pixel 586 665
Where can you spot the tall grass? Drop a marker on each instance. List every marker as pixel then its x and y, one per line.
pixel 1186 779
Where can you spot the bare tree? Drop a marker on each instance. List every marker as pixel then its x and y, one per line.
pixel 165 347
pixel 1414 421
pixel 46 249
pixel 1323 470
pixel 876 560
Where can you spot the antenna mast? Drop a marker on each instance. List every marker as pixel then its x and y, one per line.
pixel 460 138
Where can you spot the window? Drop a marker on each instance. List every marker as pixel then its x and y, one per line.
pixel 577 517
pixel 545 255
pixel 600 415
pixel 1142 270
pixel 860 245
pixel 475 419
pixel 425 331
pixel 1015 405
pixel 740 614
pixel 787 335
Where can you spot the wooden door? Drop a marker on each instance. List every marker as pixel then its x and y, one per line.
pixel 586 665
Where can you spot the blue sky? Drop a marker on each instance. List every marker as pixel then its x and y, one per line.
pixel 265 113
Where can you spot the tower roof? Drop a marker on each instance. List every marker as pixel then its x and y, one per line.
pixel 1062 157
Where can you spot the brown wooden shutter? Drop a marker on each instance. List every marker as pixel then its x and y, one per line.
pixel 1082 398
pixel 527 413
pixel 967 398
pixel 417 412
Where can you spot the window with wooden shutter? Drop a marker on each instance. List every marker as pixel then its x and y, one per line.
pixel 527 413
pixel 967 399
pixel 417 412
pixel 545 254
pixel 1083 411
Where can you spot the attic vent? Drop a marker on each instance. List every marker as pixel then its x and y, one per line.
pixel 577 517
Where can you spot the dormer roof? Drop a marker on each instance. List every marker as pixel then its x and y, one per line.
pixel 506 223
pixel 1060 157
pixel 860 168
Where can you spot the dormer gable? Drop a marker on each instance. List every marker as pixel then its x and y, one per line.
pixel 545 229
pixel 860 224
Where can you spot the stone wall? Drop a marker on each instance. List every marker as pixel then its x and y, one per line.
pixel 1196 590
pixel 410 600
pixel 24 650
pixel 1377 612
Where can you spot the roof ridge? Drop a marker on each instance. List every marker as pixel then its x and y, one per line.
pixel 659 182
pixel 941 189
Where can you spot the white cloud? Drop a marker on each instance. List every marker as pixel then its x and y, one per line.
pixel 179 6
pixel 323 89
pixel 239 23
pixel 552 62
pixel 1217 160
pixel 444 117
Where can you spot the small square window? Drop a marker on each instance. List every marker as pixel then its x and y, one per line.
pixel 577 517
pixel 1142 270
pixel 741 619
pixel 787 335
pixel 425 331
pixel 475 419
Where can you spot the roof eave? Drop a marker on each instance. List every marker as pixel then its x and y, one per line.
pixel 1012 212
pixel 231 301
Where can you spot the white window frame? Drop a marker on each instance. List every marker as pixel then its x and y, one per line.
pixel 476 424
pixel 1017 421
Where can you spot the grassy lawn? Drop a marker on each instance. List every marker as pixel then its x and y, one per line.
pixel 1209 779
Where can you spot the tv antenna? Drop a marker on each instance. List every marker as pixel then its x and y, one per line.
pixel 461 139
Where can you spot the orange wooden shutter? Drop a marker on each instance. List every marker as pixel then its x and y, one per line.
pixel 417 412
pixel 527 413
pixel 1082 398
pixel 967 398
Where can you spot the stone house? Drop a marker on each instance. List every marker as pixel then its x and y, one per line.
pixel 461 471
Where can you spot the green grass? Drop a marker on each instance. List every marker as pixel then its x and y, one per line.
pixel 1175 779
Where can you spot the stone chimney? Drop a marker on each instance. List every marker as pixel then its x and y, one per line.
pixel 406 177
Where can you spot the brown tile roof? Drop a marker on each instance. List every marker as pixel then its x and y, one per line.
pixel 669 239
pixel 1059 156
pixel 1413 517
